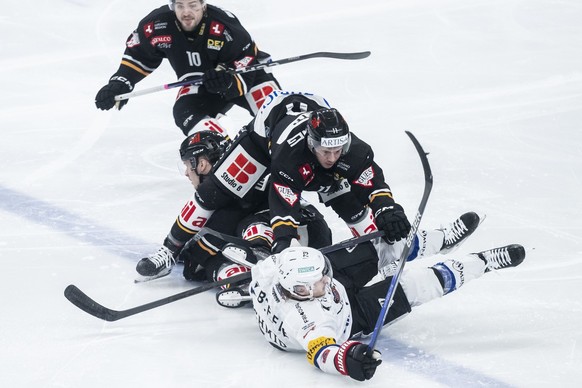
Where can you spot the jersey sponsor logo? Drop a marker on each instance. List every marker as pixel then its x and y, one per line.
pixel 244 62
pixel 162 39
pixel 286 193
pixel 365 179
pixel 214 44
pixel 216 28
pixel 306 173
pixel 160 25
pixel 191 218
pixel 239 172
pixel 332 142
pixel 133 40
pixel 327 193
pixel 256 96
pixel 259 231
pixel 341 165
pixel 148 29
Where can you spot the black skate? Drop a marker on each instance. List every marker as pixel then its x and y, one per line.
pixel 457 232
pixel 499 258
pixel 234 297
pixel 156 265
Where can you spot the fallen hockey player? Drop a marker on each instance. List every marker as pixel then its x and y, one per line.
pixel 308 302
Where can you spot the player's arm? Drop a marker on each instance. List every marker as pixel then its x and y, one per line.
pixel 139 60
pixel 348 359
pixel 237 53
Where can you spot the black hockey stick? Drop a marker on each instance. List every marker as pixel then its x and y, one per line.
pixel 87 304
pixel 409 239
pixel 325 250
pixel 258 66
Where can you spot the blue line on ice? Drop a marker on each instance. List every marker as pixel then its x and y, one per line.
pixel 74 226
pixel 405 356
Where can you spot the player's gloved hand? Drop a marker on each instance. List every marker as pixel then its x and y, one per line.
pixel 218 81
pixel 105 98
pixel 187 255
pixel 393 222
pixel 352 360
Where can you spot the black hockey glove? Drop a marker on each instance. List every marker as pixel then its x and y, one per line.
pixel 105 98
pixel 218 81
pixel 188 255
pixel 393 222
pixel 352 360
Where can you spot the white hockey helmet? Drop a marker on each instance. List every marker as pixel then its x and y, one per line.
pixel 299 268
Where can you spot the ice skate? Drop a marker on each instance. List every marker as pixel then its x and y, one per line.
pixel 156 265
pixel 457 231
pixel 234 297
pixel 499 258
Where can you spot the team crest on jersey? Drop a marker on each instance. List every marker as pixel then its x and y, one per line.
pixel 306 173
pixel 239 172
pixel 286 193
pixel 216 28
pixel 148 29
pixel 365 178
pixel 133 40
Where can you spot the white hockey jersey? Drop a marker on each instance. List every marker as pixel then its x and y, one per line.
pixel 317 327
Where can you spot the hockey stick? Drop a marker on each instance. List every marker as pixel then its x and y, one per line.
pixel 325 250
pixel 90 306
pixel 258 66
pixel 409 239
pixel 85 303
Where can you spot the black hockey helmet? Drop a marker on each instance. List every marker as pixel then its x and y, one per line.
pixel 327 128
pixel 204 143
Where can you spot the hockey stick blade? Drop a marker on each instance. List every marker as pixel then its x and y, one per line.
pixel 428 181
pixel 85 303
pixel 258 66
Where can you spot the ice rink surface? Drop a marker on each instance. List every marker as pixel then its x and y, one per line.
pixel 491 88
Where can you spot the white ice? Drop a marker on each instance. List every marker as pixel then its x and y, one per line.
pixel 491 88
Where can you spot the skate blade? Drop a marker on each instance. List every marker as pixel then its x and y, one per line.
pixel 145 279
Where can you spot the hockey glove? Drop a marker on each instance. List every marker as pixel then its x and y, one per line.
pixel 105 98
pixel 352 360
pixel 218 81
pixel 393 222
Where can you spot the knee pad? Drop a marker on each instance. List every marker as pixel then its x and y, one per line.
pixel 455 273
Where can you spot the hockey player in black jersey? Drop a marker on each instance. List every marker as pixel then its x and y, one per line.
pixel 303 144
pixel 248 217
pixel 198 40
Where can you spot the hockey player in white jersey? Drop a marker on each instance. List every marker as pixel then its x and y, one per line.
pixel 301 304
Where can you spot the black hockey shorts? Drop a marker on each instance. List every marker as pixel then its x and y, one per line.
pixel 354 268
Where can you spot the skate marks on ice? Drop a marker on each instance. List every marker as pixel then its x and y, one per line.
pixel 431 367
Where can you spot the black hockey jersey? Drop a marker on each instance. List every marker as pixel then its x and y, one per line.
pixel 219 39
